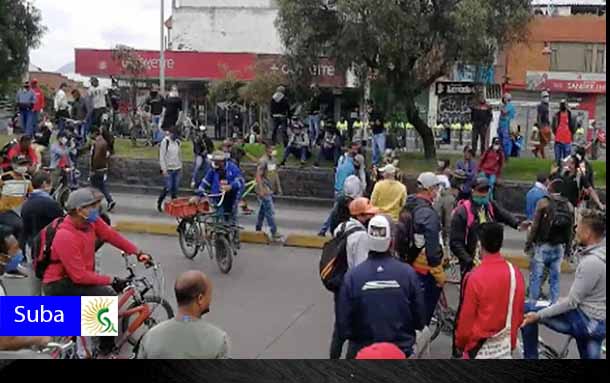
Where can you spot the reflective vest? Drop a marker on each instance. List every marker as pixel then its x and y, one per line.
pixel 410 126
pixel 468 127
pixel 342 126
pixel 387 125
pixel 456 126
pixel 358 124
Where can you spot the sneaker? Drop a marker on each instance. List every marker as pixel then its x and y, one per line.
pixel 277 237
pixel 321 234
pixel 160 206
pixel 111 206
pixel 16 274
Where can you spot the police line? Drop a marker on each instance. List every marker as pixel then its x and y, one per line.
pixel 58 316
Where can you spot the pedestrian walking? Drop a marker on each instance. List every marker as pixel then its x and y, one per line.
pixel 202 147
pixel 100 162
pixel 188 335
pixel 491 305
pixel 170 160
pixel 544 126
pixel 535 194
pixel 267 185
pixel 172 113
pixel 381 299
pixel 26 99
pixel 80 112
pixel 548 239
pixel 98 102
pixel 61 106
pixel 379 134
pixel 492 164
pixel 582 314
pixel 507 115
pixel 361 211
pixel 352 189
pixel 481 117
pixel 564 127
pixel 389 195
pixel 468 167
pixel 154 103
pixel 37 109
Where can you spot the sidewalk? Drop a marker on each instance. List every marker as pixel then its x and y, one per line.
pixel 136 213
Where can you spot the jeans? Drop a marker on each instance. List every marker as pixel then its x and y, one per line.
pixel 230 206
pixel 492 183
pixel 172 183
pixel 157 133
pixel 266 211
pixel 551 257
pixel 87 125
pixel 378 147
pixel 507 144
pixel 98 181
pixel 562 151
pixel 432 294
pixel 314 128
pixel 33 126
pixel 200 163
pixel 25 116
pixel 326 225
pixel 298 152
pixel 588 333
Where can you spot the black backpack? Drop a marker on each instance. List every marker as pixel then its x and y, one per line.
pixel 41 247
pixel 404 243
pixel 559 223
pixel 333 262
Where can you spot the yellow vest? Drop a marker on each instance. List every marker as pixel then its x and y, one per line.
pixel 468 127
pixel 455 126
pixel 410 126
pixel 342 126
pixel 358 124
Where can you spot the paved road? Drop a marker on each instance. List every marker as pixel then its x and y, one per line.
pixel 272 304
pixel 290 217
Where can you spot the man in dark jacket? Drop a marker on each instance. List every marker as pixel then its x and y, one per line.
pixel 280 112
pixel 40 209
pixel 464 236
pixel 202 146
pixel 100 154
pixel 481 116
pixel 381 299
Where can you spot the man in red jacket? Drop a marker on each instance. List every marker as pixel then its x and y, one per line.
pixel 72 268
pixel 484 306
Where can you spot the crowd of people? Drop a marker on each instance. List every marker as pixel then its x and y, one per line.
pixel 390 249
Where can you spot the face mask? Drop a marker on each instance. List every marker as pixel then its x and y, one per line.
pixel 21 169
pixel 496 147
pixel 93 215
pixel 480 200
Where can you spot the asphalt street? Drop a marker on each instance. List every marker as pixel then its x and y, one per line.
pixel 272 304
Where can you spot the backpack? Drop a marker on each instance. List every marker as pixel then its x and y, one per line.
pixel 405 245
pixel 470 219
pixel 333 262
pixel 559 222
pixel 41 247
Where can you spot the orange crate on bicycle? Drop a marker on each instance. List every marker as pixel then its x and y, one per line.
pixel 183 208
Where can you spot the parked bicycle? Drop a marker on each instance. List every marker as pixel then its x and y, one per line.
pixel 141 307
pixel 205 226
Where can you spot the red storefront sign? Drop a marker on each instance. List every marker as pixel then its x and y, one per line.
pixel 178 65
pixel 567 82
pixel 324 73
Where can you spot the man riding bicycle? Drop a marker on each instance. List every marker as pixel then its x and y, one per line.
pixel 224 177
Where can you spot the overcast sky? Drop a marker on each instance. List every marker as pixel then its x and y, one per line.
pixel 95 24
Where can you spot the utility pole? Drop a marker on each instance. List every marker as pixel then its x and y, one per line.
pixel 162 50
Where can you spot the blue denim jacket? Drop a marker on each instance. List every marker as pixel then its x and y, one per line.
pixel 534 195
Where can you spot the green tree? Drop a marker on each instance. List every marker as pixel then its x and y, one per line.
pixel 132 67
pixel 227 89
pixel 21 29
pixel 407 44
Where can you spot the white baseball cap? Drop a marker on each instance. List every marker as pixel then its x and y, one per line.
pixel 380 234
pixel 389 168
pixel 427 180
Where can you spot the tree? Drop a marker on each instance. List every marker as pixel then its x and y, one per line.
pixel 407 44
pixel 21 29
pixel 226 89
pixel 133 67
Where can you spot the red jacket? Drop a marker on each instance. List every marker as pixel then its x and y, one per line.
pixel 40 101
pixel 74 248
pixel 15 151
pixel 492 162
pixel 484 304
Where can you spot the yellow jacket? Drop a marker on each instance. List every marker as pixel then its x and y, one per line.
pixel 389 196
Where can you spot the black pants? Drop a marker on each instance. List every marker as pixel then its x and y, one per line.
pixel 336 343
pixel 66 288
pixel 14 221
pixel 479 131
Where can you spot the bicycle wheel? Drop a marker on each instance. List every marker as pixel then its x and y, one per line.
pixel 436 323
pixel 224 254
pixel 189 234
pixel 160 309
pixel 62 196
pixel 452 272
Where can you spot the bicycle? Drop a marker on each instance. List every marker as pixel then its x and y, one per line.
pixel 443 319
pixel 248 188
pixel 205 227
pixel 136 308
pixel 68 183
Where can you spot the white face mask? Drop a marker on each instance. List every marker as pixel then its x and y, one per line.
pixel 496 147
pixel 21 169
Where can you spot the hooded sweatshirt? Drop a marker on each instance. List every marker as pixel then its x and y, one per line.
pixel 279 104
pixel 357 246
pixel 588 292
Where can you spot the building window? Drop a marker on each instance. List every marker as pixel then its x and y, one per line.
pixel 578 57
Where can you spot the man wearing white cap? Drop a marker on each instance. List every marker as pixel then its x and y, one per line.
pixel 389 195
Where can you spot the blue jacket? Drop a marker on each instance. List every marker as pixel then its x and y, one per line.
pixel 345 169
pixel 211 181
pixel 534 195
pixel 507 117
pixel 381 300
pixel 427 224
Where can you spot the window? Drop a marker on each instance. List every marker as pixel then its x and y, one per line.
pixel 578 57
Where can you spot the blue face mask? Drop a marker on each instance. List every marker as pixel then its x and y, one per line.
pixel 93 215
pixel 480 200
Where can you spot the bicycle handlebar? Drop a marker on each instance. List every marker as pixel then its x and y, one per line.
pixel 54 346
pixel 221 195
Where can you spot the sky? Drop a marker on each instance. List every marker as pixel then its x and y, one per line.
pixel 95 24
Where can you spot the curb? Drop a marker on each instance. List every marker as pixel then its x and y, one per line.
pixel 292 240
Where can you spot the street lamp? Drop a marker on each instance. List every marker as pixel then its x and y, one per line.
pixel 162 50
